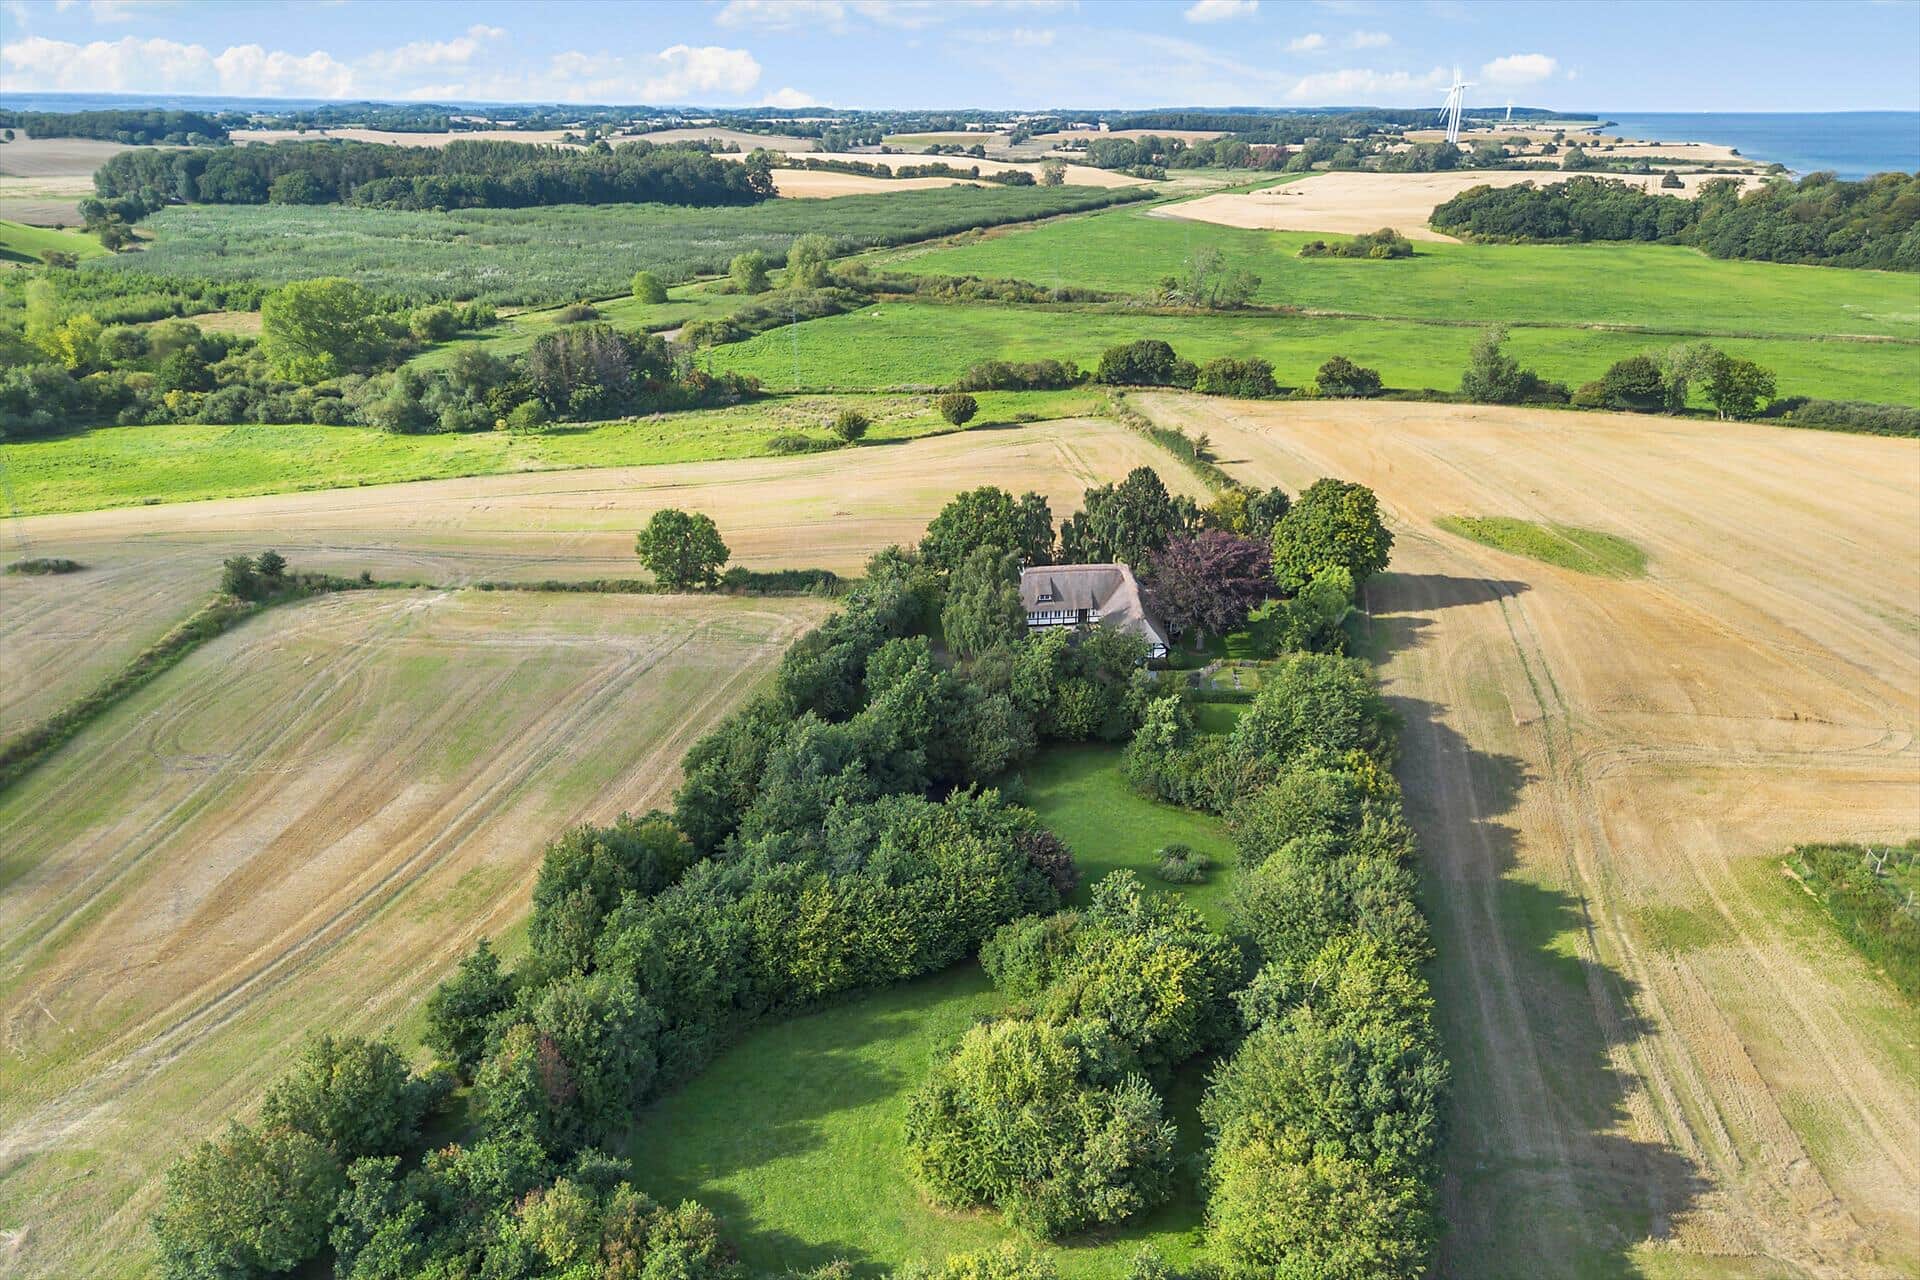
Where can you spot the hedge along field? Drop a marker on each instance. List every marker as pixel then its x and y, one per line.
pixel 923 344
pixel 559 252
pixel 794 1134
pixel 515 335
pixel 1662 287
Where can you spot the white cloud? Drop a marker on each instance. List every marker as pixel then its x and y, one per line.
pixel 682 73
pixel 790 99
pixel 1369 40
pixel 1221 10
pixel 1355 86
pixel 248 70
pixel 1010 37
pixel 910 15
pixel 134 65
pixel 1312 42
pixel 457 52
pixel 1519 69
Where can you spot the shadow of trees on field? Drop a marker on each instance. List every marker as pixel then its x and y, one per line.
pixel 1539 1180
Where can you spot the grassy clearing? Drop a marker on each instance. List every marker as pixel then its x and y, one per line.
pixel 514 334
pixel 1869 895
pixel 22 243
pixel 130 466
pixel 926 344
pixel 1661 287
pixel 1582 550
pixel 560 252
pixel 794 1135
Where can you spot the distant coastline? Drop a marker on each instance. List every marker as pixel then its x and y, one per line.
pixel 1852 144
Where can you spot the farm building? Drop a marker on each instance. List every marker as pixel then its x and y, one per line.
pixel 1082 595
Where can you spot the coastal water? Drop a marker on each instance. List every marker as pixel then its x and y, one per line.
pixel 1852 144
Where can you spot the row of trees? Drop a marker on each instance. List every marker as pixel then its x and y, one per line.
pixel 1820 219
pixel 134 128
pixel 1664 382
pixel 461 175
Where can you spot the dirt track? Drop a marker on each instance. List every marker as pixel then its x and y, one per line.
pixel 149 566
pixel 301 828
pixel 1664 1061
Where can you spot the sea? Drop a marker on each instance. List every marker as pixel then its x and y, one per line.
pixel 1852 144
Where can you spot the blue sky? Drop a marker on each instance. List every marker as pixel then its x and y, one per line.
pixel 1619 56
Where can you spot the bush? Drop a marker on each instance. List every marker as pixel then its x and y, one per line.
pixel 355 1096
pixel 577 313
pixel 1314 705
pixel 1034 375
pixel 462 1010
pixel 1845 415
pixel 1148 362
pixel 1494 377
pixel 1342 378
pixel 39 565
pixel 958 408
pixel 1636 383
pixel 789 442
pixel 1381 244
pixel 1178 864
pixel 850 425
pixel 1249 379
pixel 648 289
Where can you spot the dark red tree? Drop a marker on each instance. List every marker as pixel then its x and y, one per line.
pixel 1210 581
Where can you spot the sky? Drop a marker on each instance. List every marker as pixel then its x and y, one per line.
pixel 1619 56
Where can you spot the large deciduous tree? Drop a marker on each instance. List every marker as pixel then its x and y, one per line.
pixel 983 603
pixel 1334 524
pixel 247 1204
pixel 989 517
pixel 682 549
pixel 1125 523
pixel 312 330
pixel 1210 581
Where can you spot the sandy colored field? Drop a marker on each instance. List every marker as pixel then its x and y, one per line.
pixel 820 184
pixel 1084 135
pixel 301 828
pixel 149 566
pixel 55 157
pixel 1603 143
pixel 1349 203
pixel 740 138
pixel 242 137
pixel 44 202
pixel 1665 1063
pixel 1077 175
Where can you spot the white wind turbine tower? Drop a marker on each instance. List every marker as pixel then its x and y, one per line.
pixel 1456 99
pixel 1509 110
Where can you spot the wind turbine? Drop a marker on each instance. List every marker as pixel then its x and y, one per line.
pixel 1509 110
pixel 1456 99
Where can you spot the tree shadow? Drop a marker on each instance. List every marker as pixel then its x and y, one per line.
pixel 1539 1177
pixel 1397 607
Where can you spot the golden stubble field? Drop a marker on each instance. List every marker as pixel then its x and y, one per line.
pixel 1665 1063
pixel 150 566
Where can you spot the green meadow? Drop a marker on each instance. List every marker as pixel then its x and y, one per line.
pixel 514 334
pixel 929 344
pixel 1569 546
pixel 22 243
pixel 1656 287
pixel 794 1135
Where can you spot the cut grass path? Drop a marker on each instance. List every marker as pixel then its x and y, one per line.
pixel 793 1135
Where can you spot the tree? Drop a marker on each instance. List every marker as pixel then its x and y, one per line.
pixel 1333 523
pixel 1735 387
pixel 1492 376
pixel 809 262
pixel 682 550
pixel 1341 377
pixel 1209 581
pixel 989 517
pixel 748 272
pixel 312 330
pixel 354 1095
pixel 246 1205
pixel 850 424
pixel 958 408
pixel 1125 523
pixel 238 578
pixel 184 370
pixel 648 289
pixel 1634 383
pixel 272 567
pixel 1146 363
pixel 1684 365
pixel 1249 379
pixel 983 608
pixel 461 1010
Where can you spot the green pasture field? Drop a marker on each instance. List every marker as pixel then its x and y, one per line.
pixel 559 252
pixel 793 1136
pixel 1659 287
pixel 929 344
pixel 1570 547
pixel 129 466
pixel 22 243
pixel 514 334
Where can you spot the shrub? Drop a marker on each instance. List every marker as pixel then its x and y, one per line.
pixel 1635 383
pixel 1846 415
pixel 1034 375
pixel 1314 704
pixel 788 442
pixel 1148 362
pixel 1178 864
pixel 1249 379
pixel 747 273
pixel 462 1009
pixel 577 313
pixel 850 424
pixel 39 565
pixel 958 408
pixel 1341 377
pixel 1384 243
pixel 355 1096
pixel 648 289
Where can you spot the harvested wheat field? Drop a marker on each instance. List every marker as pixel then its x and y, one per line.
pixel 1664 1063
pixel 301 828
pixel 147 567
pixel 1077 175
pixel 396 138
pixel 1350 203
pixel 823 184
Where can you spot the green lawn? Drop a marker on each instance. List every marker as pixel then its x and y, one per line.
pixel 927 344
pixel 127 466
pixel 793 1136
pixel 22 243
pixel 514 334
pixel 1569 546
pixel 1661 287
